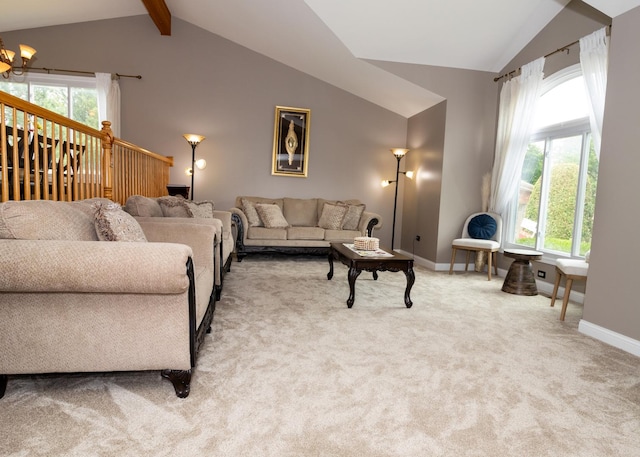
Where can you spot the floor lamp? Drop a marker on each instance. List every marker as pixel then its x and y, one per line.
pixel 193 140
pixel 399 154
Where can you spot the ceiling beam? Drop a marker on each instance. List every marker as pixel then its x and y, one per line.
pixel 160 14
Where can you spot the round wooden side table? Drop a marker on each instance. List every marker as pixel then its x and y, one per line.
pixel 519 279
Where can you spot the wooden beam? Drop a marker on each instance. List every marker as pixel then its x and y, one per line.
pixel 160 14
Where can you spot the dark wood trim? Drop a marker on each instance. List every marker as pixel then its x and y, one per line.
pixel 181 380
pixel 3 384
pixel 160 14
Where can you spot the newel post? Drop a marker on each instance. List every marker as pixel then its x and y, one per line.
pixel 107 159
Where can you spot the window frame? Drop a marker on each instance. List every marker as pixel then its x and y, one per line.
pixel 68 81
pixel 575 127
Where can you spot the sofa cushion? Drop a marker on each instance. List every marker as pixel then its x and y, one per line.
pixel 341 235
pixel 263 233
pixel 114 224
pixel 271 216
pixel 351 220
pixel 202 209
pixel 301 212
pixel 174 206
pixel 305 233
pixel 45 220
pixel 332 216
pixel 138 205
pixel 249 209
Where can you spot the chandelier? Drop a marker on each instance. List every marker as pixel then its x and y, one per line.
pixel 6 59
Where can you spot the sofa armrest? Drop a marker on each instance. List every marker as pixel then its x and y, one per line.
pixel 94 267
pixel 199 234
pixel 369 221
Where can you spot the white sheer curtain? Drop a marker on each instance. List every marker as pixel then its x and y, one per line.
pixel 594 63
pixel 518 99
pixel 109 101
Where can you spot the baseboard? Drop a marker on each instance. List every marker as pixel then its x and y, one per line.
pixel 612 338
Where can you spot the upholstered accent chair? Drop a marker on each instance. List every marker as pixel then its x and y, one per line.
pixel 481 232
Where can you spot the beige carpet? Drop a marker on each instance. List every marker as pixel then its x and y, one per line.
pixel 290 371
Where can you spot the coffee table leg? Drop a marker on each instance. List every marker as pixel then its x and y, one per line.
pixel 353 275
pixel 330 274
pixel 411 278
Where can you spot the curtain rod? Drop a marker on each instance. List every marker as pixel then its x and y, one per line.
pixel 562 49
pixel 49 70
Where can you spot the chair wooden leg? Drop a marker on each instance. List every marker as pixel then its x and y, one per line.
pixel 466 266
pixel 565 301
pixel 555 287
pixel 495 262
pixel 453 257
pixel 489 259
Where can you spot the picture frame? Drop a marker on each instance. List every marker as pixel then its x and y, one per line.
pixel 291 142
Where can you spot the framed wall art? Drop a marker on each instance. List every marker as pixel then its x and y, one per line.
pixel 291 142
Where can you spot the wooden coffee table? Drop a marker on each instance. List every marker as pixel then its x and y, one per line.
pixel 373 263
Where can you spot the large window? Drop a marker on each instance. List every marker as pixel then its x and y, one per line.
pixel 553 211
pixel 70 96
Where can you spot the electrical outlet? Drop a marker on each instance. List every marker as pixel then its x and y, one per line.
pixel 542 274
pixel 417 237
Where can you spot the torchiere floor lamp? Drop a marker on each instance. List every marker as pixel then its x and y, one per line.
pixel 193 140
pixel 399 154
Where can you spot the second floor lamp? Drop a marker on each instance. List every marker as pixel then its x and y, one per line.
pixel 399 153
pixel 193 140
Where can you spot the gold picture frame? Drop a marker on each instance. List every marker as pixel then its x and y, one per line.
pixel 291 142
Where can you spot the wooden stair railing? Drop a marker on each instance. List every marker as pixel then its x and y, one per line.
pixel 56 158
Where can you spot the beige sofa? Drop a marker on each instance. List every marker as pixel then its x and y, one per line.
pixel 298 225
pixel 75 297
pixel 172 209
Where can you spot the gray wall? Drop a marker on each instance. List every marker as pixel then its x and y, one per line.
pixel 469 141
pixel 612 300
pixel 197 82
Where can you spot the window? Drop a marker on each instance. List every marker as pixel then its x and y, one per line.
pixel 70 96
pixel 553 211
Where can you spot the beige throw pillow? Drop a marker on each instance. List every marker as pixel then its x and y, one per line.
pixel 249 210
pixel 203 209
pixel 271 215
pixel 351 220
pixel 332 216
pixel 173 206
pixel 114 224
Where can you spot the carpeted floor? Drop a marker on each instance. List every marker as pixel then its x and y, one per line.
pixel 290 371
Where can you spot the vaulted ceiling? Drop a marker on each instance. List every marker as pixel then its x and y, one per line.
pixel 330 39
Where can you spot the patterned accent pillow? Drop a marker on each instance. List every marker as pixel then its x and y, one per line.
pixel 352 218
pixel 114 224
pixel 332 216
pixel 249 210
pixel 203 209
pixel 271 215
pixel 173 206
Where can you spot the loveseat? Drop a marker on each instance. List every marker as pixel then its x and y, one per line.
pixel 298 225
pixel 85 288
pixel 172 209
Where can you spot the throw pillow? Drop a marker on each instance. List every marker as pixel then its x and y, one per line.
pixel 332 216
pixel 249 210
pixel 203 209
pixel 173 206
pixel 271 215
pixel 114 224
pixel 352 218
pixel 482 227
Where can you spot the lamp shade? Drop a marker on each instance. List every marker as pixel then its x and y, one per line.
pixel 192 138
pixel 399 152
pixel 26 52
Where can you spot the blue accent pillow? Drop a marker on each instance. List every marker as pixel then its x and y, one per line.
pixel 482 227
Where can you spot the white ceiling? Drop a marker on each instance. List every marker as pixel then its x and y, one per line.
pixel 329 38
